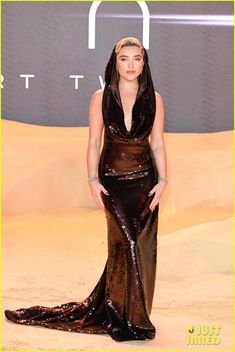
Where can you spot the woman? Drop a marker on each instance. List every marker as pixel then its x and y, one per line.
pixel 131 178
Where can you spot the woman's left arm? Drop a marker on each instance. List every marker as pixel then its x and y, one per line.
pixel 158 148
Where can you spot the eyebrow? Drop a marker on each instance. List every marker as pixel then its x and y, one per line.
pixel 127 56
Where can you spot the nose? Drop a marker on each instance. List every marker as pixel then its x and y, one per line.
pixel 131 64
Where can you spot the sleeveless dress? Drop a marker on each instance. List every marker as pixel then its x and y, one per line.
pixel 121 302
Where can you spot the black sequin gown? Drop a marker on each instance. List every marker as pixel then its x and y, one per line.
pixel 121 301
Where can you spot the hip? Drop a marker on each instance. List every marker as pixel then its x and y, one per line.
pixel 127 161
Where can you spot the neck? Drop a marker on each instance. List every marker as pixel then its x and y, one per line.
pixel 128 85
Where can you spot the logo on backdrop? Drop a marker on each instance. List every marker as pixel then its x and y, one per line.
pixel 92 26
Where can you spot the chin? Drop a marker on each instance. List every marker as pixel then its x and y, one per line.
pixel 131 78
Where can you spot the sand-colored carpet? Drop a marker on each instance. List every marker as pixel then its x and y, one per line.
pixel 54 237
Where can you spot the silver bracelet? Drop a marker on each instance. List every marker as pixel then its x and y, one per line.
pixel 162 179
pixel 92 179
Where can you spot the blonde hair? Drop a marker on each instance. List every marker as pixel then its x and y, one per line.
pixel 127 41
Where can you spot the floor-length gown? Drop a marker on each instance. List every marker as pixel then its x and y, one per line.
pixel 121 301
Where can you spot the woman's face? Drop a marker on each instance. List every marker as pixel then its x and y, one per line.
pixel 130 62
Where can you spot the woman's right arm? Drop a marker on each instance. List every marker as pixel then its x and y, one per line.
pixel 94 142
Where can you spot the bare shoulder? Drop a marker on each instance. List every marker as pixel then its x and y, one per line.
pixel 98 93
pixel 158 95
pixel 159 100
pixel 96 99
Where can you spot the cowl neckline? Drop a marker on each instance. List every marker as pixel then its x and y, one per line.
pixel 133 111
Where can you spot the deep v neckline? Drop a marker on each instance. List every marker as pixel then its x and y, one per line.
pixel 132 112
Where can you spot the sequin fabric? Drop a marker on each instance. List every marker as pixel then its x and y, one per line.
pixel 121 302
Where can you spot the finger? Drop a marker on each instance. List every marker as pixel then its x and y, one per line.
pixel 100 205
pixel 105 191
pixel 151 192
pixel 153 204
pixel 100 202
pixel 156 196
